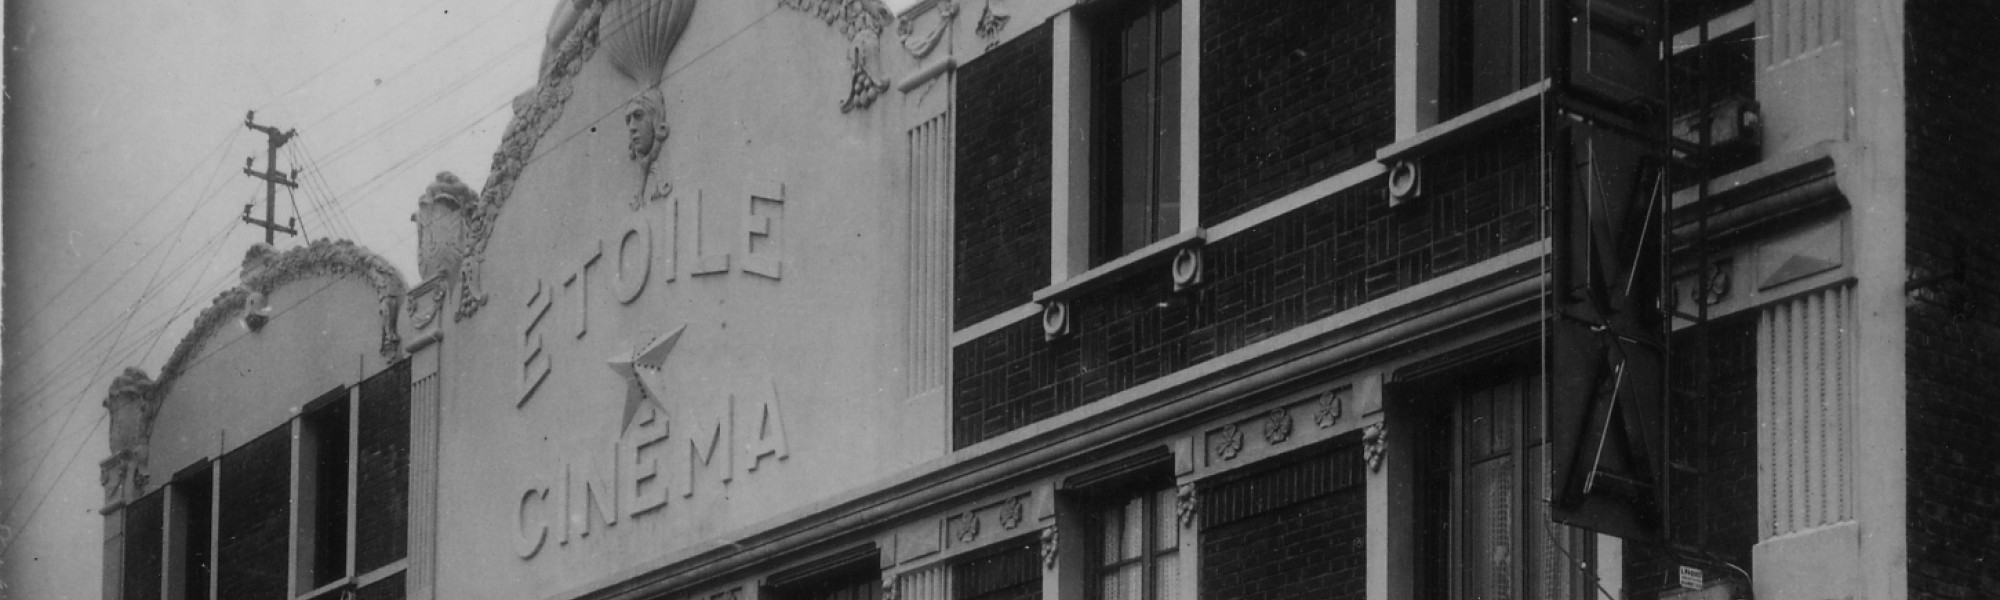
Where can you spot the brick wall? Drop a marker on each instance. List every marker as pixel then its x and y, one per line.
pixel 1716 504
pixel 1292 91
pixel 382 492
pixel 145 524
pixel 1331 255
pixel 1953 340
pixel 1001 200
pixel 255 507
pixel 1296 531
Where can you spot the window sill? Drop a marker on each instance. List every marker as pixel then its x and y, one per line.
pixel 1473 122
pixel 1154 253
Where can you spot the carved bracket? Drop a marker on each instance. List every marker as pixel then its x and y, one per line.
pixel 1374 440
pixel 1186 504
pixel 1050 543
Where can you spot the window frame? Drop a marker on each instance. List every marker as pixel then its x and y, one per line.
pixel 1439 531
pixel 1077 125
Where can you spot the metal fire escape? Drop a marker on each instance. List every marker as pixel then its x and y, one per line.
pixel 1630 119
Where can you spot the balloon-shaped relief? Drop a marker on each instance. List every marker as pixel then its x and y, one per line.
pixel 639 35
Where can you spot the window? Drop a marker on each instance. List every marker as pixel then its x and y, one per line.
pixel 1484 530
pixel 320 537
pixel 1135 547
pixel 1488 49
pixel 1135 159
pixel 315 508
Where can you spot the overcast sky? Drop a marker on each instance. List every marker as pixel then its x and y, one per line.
pixel 124 184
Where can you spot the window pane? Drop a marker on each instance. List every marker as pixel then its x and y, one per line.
pixel 1505 413
pixel 1170 29
pixel 1167 209
pixel 1167 523
pixel 1138 44
pixel 1113 520
pixel 1135 528
pixel 1488 516
pixel 1167 576
pixel 1493 49
pixel 1135 161
pixel 1478 422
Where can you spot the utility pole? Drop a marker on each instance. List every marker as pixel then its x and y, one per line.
pixel 272 179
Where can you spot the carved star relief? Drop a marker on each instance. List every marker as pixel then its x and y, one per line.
pixel 641 368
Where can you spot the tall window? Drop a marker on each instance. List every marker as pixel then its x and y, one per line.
pixel 1136 544
pixel 1485 532
pixel 1135 170
pixel 1488 49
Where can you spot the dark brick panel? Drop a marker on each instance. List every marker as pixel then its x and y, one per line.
pixel 1292 91
pixel 382 511
pixel 1715 504
pixel 1280 487
pixel 1311 549
pixel 1334 254
pixel 145 523
pixel 1953 344
pixel 1001 207
pixel 255 507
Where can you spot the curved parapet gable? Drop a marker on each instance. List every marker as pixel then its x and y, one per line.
pixel 534 113
pixel 135 400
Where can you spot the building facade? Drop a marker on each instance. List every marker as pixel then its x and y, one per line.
pixel 1137 299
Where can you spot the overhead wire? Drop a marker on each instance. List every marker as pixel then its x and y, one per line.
pixel 435 144
pixel 157 203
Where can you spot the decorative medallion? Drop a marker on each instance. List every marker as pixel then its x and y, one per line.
pixel 966 527
pixel 1277 425
pixel 1373 442
pixel 1231 442
pixel 990 24
pixel 1011 512
pixel 923 45
pixel 1329 409
pixel 1185 504
pixel 1049 544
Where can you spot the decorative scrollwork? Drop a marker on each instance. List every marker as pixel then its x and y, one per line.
pixel 990 24
pixel 863 88
pixel 922 46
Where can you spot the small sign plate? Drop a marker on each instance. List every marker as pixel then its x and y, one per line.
pixel 1691 578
